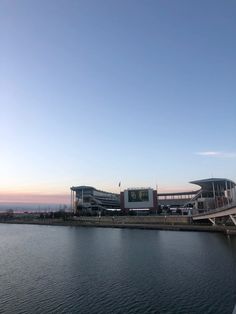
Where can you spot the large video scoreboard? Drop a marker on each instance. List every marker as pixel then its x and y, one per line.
pixel 138 198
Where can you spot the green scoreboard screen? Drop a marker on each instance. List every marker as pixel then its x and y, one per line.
pixel 138 196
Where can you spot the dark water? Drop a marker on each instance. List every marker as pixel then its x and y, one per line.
pixel 46 269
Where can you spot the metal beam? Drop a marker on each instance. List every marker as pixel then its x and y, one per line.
pixel 226 185
pixel 233 219
pixel 217 213
pixel 212 220
pixel 214 193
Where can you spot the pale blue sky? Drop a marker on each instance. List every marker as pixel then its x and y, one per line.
pixel 97 92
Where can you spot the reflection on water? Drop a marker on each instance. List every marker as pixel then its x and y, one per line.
pixel 48 269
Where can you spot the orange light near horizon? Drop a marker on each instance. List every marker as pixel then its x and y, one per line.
pixel 34 198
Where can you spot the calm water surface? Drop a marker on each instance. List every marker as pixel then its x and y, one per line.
pixel 48 269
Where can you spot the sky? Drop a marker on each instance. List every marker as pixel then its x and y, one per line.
pixel 97 92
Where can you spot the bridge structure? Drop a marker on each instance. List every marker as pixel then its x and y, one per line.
pixel 216 201
pixel 176 198
pixel 223 213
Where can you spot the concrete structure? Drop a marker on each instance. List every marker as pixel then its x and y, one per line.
pixel 90 200
pixel 216 201
pixel 138 220
pixel 221 215
pixel 215 193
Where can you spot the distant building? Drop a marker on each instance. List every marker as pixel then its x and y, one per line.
pixel 87 199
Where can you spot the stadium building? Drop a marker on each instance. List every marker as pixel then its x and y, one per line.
pixel 213 193
pixel 87 199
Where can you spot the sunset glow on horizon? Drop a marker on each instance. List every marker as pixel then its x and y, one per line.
pixel 34 198
pixel 64 198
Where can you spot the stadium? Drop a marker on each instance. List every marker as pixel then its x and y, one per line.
pixel 211 194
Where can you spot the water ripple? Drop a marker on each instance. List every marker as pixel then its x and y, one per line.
pixel 89 270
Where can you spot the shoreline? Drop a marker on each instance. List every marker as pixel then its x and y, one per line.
pixel 143 226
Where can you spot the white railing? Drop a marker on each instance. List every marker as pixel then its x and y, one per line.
pixel 217 210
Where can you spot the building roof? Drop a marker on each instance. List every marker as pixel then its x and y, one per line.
pixel 87 187
pixel 207 183
pixel 81 187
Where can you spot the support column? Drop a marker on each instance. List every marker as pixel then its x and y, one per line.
pixel 74 205
pixel 233 219
pixel 214 192
pixel 231 193
pixel 213 221
pixel 72 202
pixel 226 185
pixel 71 205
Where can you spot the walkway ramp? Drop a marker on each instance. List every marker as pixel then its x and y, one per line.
pixel 218 213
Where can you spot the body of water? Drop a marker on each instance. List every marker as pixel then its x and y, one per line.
pixel 49 269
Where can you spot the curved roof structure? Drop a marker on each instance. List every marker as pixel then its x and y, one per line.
pixel 207 183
